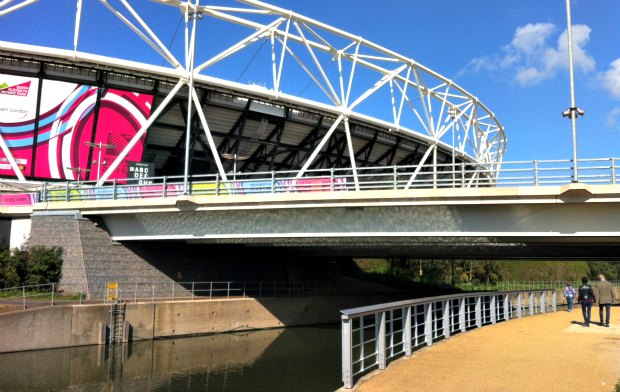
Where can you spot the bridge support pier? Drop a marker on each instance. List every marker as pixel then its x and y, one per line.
pixel 91 258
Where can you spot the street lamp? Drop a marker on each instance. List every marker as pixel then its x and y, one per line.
pixel 79 170
pixel 100 146
pixel 234 158
pixel 573 111
pixel 452 111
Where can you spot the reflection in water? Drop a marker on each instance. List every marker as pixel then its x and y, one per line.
pixel 299 359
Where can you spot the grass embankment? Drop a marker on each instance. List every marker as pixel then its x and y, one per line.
pixel 409 278
pixel 543 270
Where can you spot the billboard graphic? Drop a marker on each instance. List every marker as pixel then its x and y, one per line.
pixel 121 115
pixel 18 103
pixel 62 146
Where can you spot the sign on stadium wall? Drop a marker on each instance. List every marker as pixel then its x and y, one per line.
pixel 66 123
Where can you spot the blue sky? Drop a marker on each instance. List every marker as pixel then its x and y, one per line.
pixel 510 54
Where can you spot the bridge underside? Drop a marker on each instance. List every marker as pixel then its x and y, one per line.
pixel 572 222
pixel 449 248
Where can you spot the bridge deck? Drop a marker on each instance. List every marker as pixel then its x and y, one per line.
pixel 543 353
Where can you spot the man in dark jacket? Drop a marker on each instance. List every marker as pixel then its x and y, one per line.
pixel 586 298
pixel 606 296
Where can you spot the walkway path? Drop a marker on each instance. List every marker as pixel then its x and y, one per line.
pixel 543 353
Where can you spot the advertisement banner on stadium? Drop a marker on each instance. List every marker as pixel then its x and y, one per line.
pixel 121 115
pixel 18 104
pixel 64 140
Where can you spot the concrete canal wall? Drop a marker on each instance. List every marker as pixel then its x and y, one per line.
pixel 80 325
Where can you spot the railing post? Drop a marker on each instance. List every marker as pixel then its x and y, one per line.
pixel 193 289
pixel 407 331
pixel 543 302
pixel 462 315
pixel 395 178
pixel 66 194
pixel 554 301
pixel 165 187
pixel 613 170
pixel 380 338
pixel 43 194
pixel 493 310
pixel 114 189
pixel 217 184
pixel 53 289
pixel 24 296
pixel 152 292
pixel 536 182
pixel 532 308
pixel 462 174
pixel 210 290
pixel 331 179
pixel 428 324
pixel 172 291
pixel 347 354
pixel 506 307
pixel 228 290
pixel 446 319
pixel 479 311
pixel 519 309
pixel 273 181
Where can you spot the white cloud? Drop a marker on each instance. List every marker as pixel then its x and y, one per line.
pixel 613 118
pixel 611 79
pixel 531 59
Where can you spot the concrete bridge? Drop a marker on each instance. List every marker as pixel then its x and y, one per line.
pixel 570 221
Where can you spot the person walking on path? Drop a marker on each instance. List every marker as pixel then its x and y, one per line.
pixel 569 294
pixel 586 298
pixel 606 296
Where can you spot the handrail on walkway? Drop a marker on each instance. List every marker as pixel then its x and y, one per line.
pixel 51 294
pixel 373 336
pixel 444 175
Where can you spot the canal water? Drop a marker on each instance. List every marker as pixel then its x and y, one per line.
pixel 292 359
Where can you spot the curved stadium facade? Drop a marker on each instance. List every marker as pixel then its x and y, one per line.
pixel 314 97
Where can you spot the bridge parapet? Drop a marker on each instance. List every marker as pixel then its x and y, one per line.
pixel 397 178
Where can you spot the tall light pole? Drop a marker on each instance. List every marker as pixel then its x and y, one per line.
pixel 234 158
pixel 100 146
pixel 79 171
pixel 573 111
pixel 452 111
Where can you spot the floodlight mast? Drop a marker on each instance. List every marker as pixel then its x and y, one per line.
pixel 573 111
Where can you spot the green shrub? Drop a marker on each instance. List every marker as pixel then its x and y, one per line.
pixel 44 265
pixel 37 265
pixel 12 267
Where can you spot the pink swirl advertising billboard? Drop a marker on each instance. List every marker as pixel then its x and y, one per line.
pixel 72 118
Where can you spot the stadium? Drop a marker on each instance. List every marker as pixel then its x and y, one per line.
pixel 275 92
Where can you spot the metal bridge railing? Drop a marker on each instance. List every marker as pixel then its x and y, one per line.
pixel 372 336
pixel 448 175
pixel 53 293
pixel 507 285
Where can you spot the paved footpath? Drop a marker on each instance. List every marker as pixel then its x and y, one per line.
pixel 549 352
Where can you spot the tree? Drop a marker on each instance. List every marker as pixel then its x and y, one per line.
pixel 603 267
pixel 36 265
pixel 44 265
pixel 13 267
